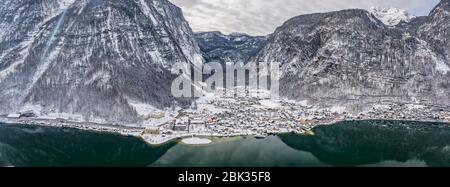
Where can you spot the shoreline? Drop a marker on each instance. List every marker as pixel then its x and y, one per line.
pixel 137 132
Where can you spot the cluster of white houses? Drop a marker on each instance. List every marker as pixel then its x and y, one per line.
pixel 248 116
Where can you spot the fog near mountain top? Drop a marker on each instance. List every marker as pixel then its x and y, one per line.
pixel 261 17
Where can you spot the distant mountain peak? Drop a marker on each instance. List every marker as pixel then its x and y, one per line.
pixel 235 47
pixel 391 16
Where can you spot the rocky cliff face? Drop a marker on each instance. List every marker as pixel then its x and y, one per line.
pixel 93 58
pixel 235 47
pixel 351 57
pixel 436 29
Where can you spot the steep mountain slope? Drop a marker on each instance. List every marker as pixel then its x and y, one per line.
pixel 235 47
pixel 351 57
pixel 436 29
pixel 95 58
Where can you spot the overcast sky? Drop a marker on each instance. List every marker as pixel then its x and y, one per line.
pixel 261 17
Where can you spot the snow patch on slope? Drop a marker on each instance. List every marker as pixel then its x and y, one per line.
pixel 391 16
pixel 66 3
pixel 36 109
pixel 425 51
pixel 142 108
pixel 442 67
pixel 270 103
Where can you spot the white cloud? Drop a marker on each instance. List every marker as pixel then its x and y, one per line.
pixel 261 17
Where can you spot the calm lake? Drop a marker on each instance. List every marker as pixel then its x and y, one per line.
pixel 364 143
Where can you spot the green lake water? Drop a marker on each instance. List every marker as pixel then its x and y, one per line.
pixel 363 143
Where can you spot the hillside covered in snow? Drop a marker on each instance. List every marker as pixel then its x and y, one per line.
pixel 356 57
pixel 91 58
pixel 110 60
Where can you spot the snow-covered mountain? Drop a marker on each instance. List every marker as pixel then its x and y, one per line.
pixel 236 47
pixel 391 16
pixel 351 57
pixel 436 30
pixel 106 60
pixel 95 58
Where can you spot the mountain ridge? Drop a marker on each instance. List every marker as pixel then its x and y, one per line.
pixel 106 60
pixel 97 58
pixel 348 56
pixel 235 47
